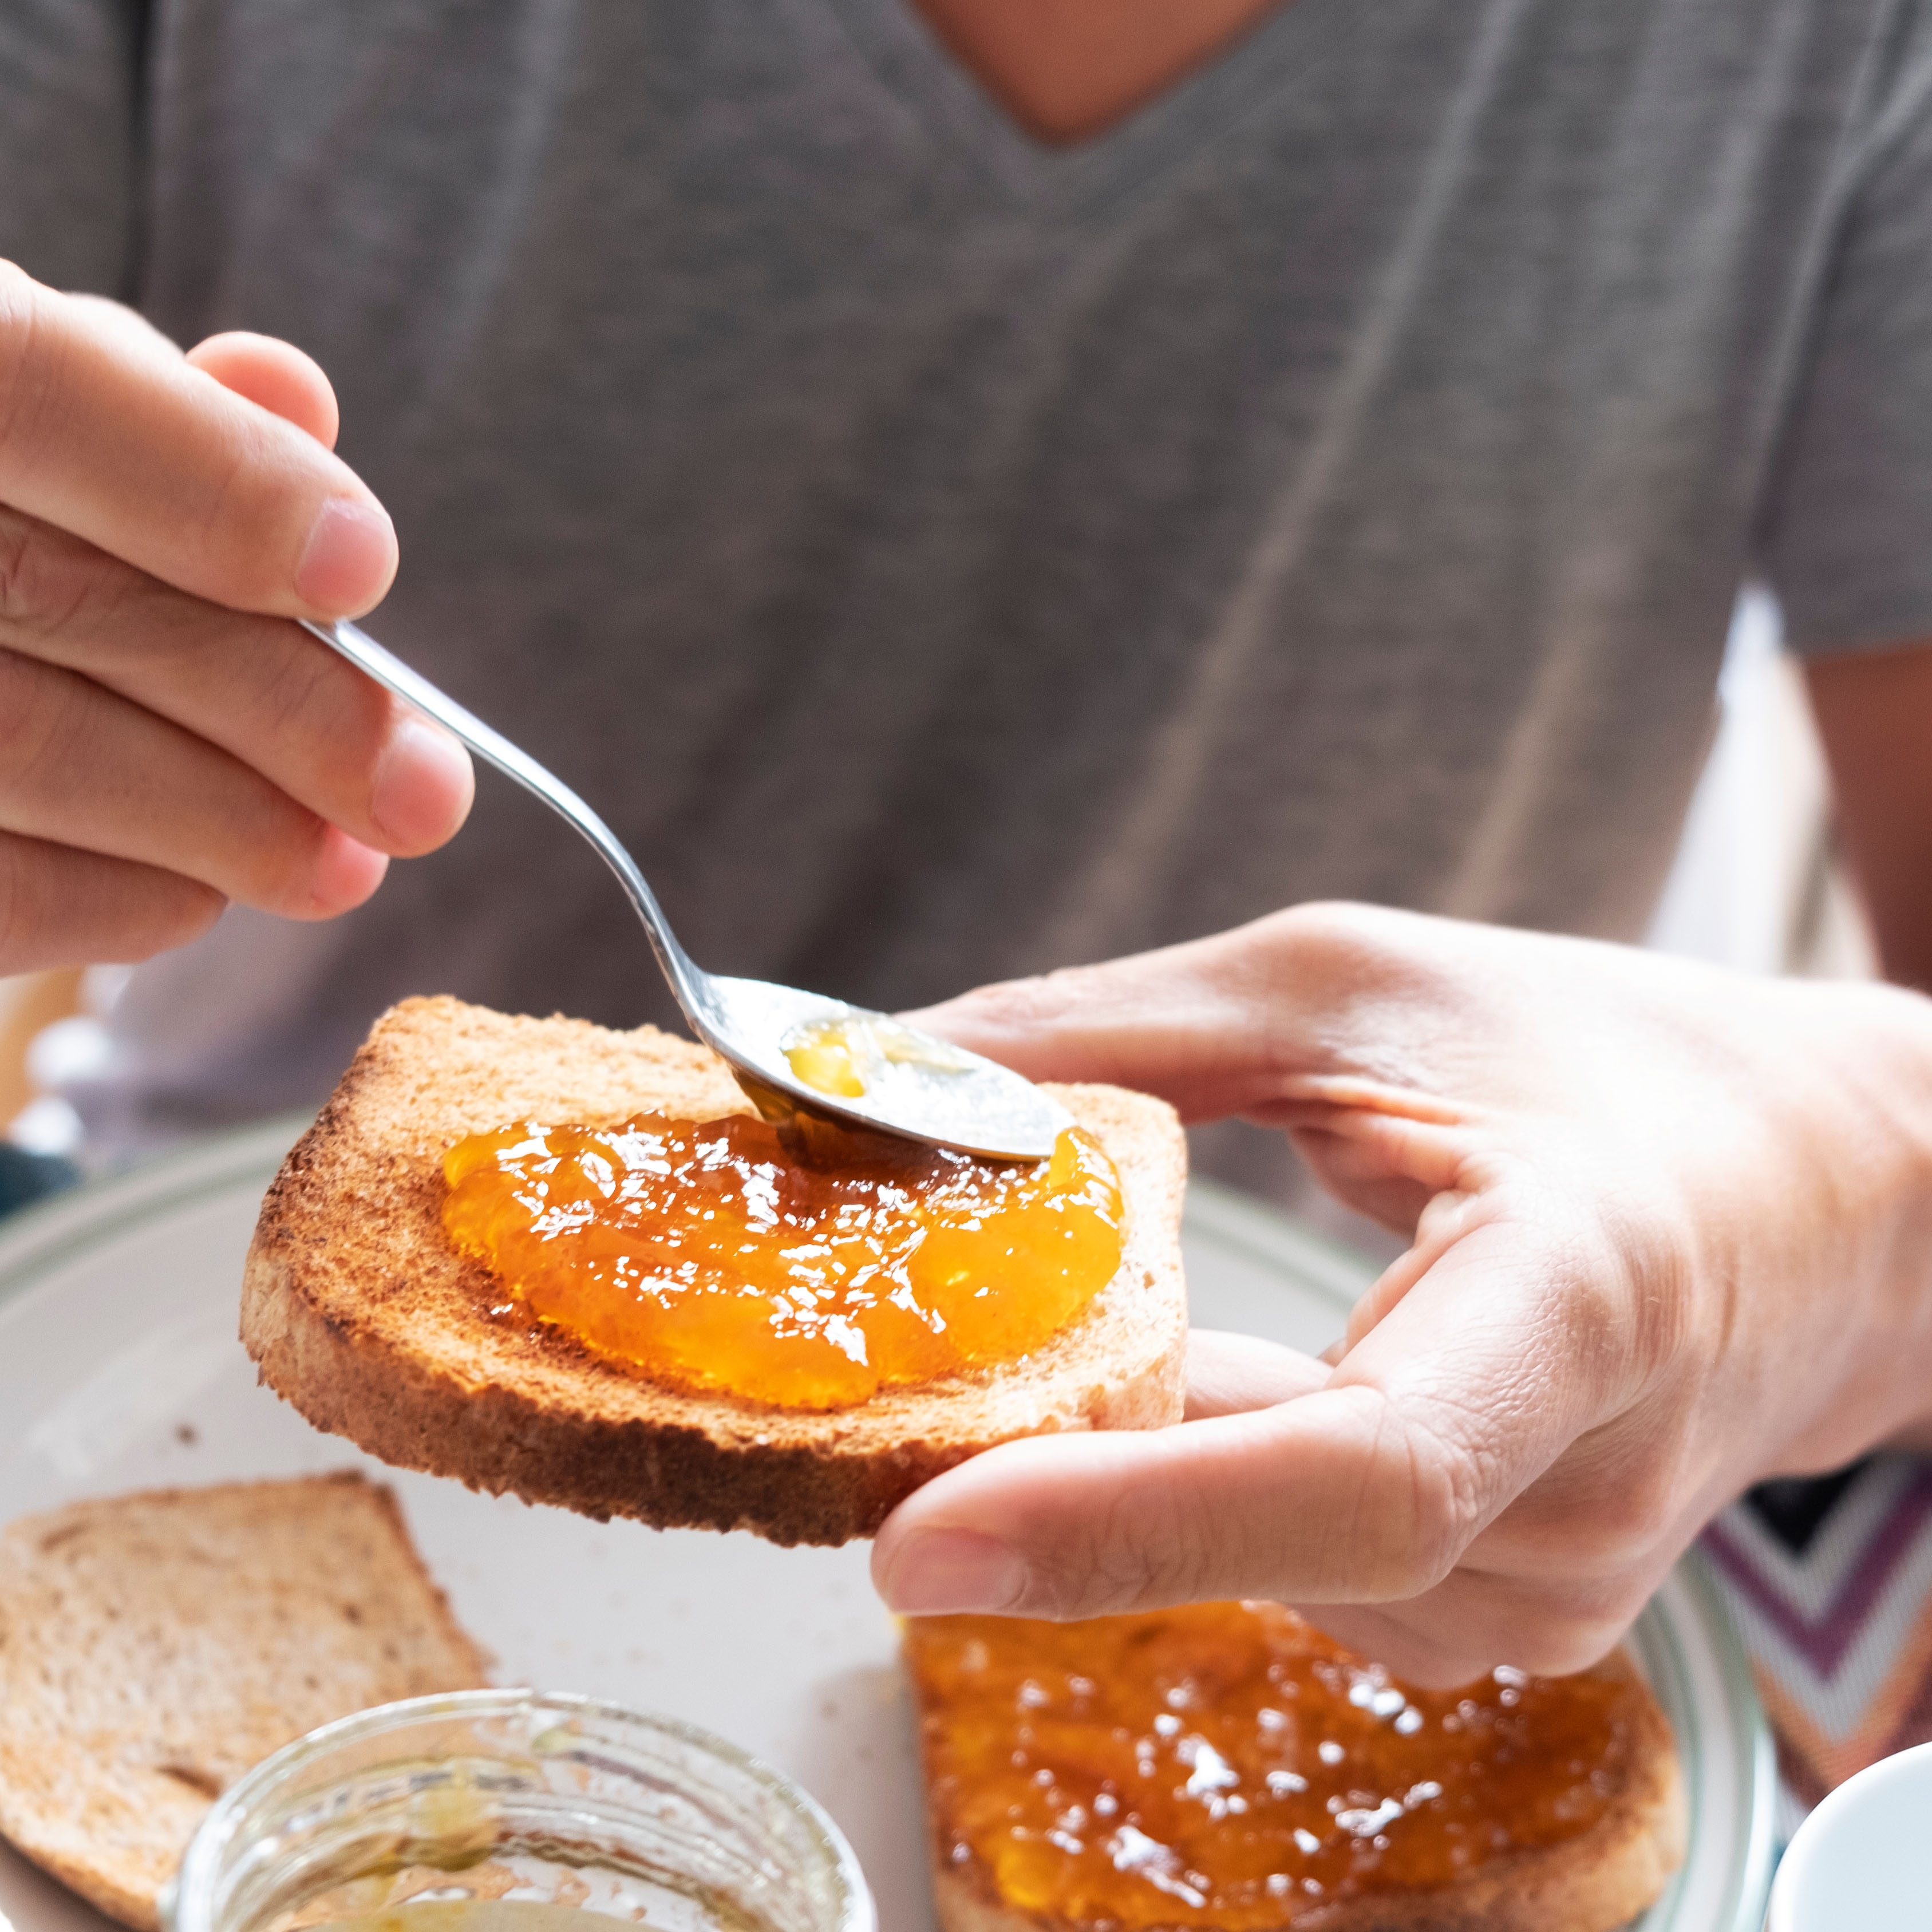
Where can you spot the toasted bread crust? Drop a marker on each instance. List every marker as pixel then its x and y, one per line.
pixel 1595 1882
pixel 360 1313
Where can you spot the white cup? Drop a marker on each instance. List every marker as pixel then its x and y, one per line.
pixel 1862 1861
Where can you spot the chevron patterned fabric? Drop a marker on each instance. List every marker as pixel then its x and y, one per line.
pixel 1830 1584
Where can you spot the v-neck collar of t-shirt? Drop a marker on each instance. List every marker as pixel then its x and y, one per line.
pixel 911 61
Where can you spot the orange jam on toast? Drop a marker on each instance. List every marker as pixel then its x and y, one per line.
pixel 703 1255
pixel 1225 1765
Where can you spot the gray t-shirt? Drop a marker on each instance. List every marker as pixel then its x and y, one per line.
pixel 943 557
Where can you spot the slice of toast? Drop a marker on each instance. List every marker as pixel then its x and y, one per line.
pixel 154 1647
pixel 1596 1881
pixel 362 1314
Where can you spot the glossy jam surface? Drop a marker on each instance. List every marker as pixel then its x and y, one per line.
pixel 704 1256
pixel 1225 1765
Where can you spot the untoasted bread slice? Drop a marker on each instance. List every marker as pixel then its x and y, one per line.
pixel 1594 1882
pixel 363 1316
pixel 154 1647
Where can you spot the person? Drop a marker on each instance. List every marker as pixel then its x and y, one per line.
pixel 972 488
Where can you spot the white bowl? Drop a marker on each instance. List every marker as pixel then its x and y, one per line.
pixel 1864 1859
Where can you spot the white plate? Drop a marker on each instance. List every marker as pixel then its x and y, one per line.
pixel 119 1369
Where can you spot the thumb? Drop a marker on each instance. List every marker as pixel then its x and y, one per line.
pixel 1368 1491
pixel 1315 1499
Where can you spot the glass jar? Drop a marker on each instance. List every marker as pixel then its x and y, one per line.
pixel 505 1810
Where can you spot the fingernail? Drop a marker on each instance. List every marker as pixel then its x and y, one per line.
pixel 422 778
pixel 942 1570
pixel 350 552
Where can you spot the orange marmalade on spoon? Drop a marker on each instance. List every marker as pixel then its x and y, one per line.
pixel 1225 1765
pixel 704 1255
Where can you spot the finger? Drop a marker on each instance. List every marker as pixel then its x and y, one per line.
pixel 1227 1374
pixel 85 768
pixel 1369 1491
pixel 118 438
pixel 1445 1218
pixel 1549 1586
pixel 1246 1021
pixel 262 690
pixel 117 319
pixel 62 907
pixel 1213 1026
pixel 1474 1619
pixel 1361 1141
pixel 1318 1500
pixel 274 375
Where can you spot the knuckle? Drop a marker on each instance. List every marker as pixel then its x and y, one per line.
pixel 1340 954
pixel 291 688
pixel 1626 1519
pixel 1143 1549
pixel 225 530
pixel 17 306
pixel 25 353
pixel 41 719
pixel 1610 1516
pixel 1340 930
pixel 55 586
pixel 42 581
pixel 1016 1004
pixel 1645 1260
pixel 1426 1493
pixel 308 694
pixel 1115 1559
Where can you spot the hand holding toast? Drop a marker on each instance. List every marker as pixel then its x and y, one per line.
pixel 168 742
pixel 1669 1230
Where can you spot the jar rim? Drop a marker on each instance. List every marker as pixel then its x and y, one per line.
pixel 200 1864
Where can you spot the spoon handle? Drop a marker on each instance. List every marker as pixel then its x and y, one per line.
pixel 366 654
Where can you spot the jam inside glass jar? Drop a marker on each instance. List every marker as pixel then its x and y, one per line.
pixel 515 1811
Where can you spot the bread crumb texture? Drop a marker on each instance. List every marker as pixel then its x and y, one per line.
pixel 154 1647
pixel 362 1316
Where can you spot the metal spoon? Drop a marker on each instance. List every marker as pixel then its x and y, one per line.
pixel 914 1085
